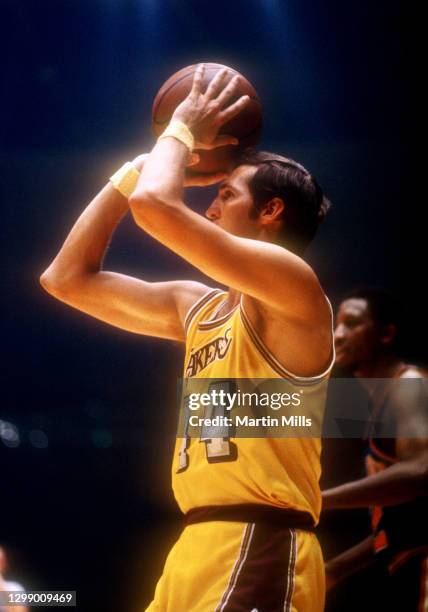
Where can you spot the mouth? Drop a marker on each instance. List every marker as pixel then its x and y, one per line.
pixel 340 351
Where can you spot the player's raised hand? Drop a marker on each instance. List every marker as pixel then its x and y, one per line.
pixel 205 112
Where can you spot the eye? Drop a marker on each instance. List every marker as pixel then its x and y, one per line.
pixel 226 194
pixel 351 322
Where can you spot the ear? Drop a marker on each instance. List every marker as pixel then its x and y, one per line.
pixel 388 334
pixel 272 211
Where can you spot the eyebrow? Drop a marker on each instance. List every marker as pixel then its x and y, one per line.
pixel 352 314
pixel 225 185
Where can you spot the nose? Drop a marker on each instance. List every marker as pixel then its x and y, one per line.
pixel 213 211
pixel 339 334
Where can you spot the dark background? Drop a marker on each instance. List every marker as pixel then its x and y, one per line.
pixel 85 494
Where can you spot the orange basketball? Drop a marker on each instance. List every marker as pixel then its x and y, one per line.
pixel 246 126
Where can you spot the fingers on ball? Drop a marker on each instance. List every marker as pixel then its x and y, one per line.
pixel 197 80
pixel 234 109
pixel 216 83
pixel 228 91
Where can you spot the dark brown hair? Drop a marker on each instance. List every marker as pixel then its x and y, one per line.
pixel 280 177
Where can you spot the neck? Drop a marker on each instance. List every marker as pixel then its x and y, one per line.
pixel 384 365
pixel 268 234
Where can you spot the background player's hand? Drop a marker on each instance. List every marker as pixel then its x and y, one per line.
pixel 205 112
pixel 330 578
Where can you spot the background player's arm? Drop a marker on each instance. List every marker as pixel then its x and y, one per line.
pixel 349 562
pixel 76 277
pixel 405 480
pixel 265 271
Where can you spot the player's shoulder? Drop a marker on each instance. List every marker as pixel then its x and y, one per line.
pixel 12 585
pixel 413 371
pixel 305 291
pixel 405 398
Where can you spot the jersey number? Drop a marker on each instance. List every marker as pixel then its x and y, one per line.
pixel 218 446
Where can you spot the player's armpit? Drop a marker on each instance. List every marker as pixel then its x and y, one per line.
pixel 265 271
pixel 152 309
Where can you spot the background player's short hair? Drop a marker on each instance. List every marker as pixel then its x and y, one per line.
pixel 383 305
pixel 305 203
pixel 385 309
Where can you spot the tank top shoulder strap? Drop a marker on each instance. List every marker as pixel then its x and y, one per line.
pixel 201 309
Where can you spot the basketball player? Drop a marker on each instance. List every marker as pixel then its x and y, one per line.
pixel 396 485
pixel 9 586
pixel 251 504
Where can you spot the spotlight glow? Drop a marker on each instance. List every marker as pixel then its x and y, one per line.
pixel 9 434
pixel 38 438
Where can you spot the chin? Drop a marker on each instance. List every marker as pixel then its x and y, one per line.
pixel 343 361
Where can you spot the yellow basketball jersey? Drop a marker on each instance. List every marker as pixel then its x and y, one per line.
pixel 281 472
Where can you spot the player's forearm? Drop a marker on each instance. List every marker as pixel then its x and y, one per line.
pixel 349 562
pixel 396 484
pixel 83 251
pixel 162 177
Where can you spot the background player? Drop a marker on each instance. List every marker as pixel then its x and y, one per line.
pixel 9 585
pixel 396 486
pixel 273 294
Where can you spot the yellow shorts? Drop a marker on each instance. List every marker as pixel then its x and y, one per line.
pixel 220 566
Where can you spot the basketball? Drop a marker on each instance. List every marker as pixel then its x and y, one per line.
pixel 246 126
